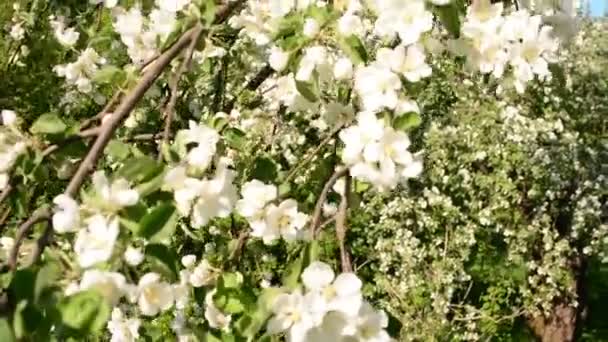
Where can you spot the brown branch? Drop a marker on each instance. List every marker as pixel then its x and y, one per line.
pixel 106 110
pixel 341 226
pixel 252 85
pixel 316 216
pixel 38 216
pixel 173 84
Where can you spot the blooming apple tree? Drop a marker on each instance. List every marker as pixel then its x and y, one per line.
pixel 194 166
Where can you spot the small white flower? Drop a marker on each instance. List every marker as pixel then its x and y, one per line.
pixel 189 260
pixel 283 221
pixel 278 58
pixel 154 295
pixel 67 218
pixel 214 316
pixel 17 32
pixel 172 5
pixel 255 197
pixel 111 285
pixel 107 3
pixel 205 139
pixel 116 195
pixel 9 117
pixel 133 256
pixel 203 274
pixel 311 27
pixel 123 329
pixel 95 243
pixel 340 294
pixel 292 315
pixel 343 69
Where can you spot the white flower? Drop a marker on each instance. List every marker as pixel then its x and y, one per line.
pixel 350 24
pixel 116 195
pixel 311 27
pixel 343 69
pixel 65 36
pixel 3 180
pixel 292 315
pixel 368 325
pixel 80 72
pixel 340 294
pixel 154 295
pixel 216 197
pixel 111 285
pixel 315 58
pixel 203 274
pixel 214 316
pixel 255 197
pixel 283 221
pixel 67 218
pixel 123 329
pixel 133 256
pixel 205 139
pixel 6 245
pixel 407 19
pixel 410 63
pixel 95 243
pixel 188 260
pixel 377 86
pixel 440 2
pixel 278 58
pixel 9 117
pixel 17 32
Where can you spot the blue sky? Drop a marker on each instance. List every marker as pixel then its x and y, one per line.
pixel 598 7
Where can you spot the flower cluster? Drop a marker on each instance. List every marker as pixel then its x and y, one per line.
pixel 377 153
pixel 492 41
pixel 201 199
pixel 12 145
pixel 268 220
pixel 329 309
pixel 95 221
pixel 142 34
pixel 81 72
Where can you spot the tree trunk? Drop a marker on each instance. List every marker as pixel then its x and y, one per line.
pixel 564 323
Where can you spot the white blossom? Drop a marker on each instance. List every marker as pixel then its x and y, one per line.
pixel 154 295
pixel 95 243
pixel 111 285
pixel 123 329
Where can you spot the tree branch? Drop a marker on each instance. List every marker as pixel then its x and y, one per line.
pixel 173 84
pixel 316 216
pixel 341 226
pixel 38 216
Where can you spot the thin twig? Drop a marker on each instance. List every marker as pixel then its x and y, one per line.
pixel 308 157
pixel 173 84
pixel 316 216
pixel 341 225
pixel 106 110
pixel 38 216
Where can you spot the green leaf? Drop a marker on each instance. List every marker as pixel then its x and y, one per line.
pixel 235 138
pixel 85 311
pixel 354 49
pixel 118 150
pixel 48 124
pixel 46 278
pixel 307 90
pixel 309 254
pixel 159 224
pixel 23 284
pixel 264 169
pixel 229 302
pixel 26 319
pixel 407 121
pixel 284 189
pixel 209 12
pixel 250 324
pixel 140 169
pixel 151 185
pixel 449 17
pixel 230 280
pixel 164 259
pixel 109 74
pixel 6 332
